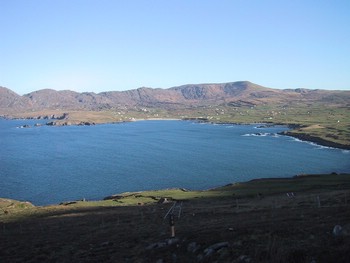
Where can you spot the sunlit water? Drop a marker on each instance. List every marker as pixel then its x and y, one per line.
pixel 48 165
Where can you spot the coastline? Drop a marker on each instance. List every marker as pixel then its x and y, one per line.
pixel 301 136
pixel 314 139
pixel 63 120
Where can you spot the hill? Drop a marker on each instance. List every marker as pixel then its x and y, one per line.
pixel 301 219
pixel 176 97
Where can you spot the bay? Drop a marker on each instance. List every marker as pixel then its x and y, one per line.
pixel 48 165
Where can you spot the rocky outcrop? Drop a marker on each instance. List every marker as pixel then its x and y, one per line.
pixel 68 123
pixel 63 116
pixel 315 139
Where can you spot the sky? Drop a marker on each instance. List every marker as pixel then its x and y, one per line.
pixel 114 45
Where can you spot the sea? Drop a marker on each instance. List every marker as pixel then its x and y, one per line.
pixel 49 165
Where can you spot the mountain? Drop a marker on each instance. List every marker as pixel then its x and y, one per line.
pixel 192 95
pixel 12 102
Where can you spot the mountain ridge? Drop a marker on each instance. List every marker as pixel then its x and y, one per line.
pixel 189 95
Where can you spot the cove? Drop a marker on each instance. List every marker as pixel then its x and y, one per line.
pixel 49 165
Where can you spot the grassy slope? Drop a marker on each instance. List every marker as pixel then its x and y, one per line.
pixel 269 228
pixel 328 123
pixel 266 187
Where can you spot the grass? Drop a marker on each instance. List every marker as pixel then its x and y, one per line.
pixel 267 228
pixel 329 123
pixel 18 210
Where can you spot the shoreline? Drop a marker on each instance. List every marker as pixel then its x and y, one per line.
pixel 301 136
pixel 314 139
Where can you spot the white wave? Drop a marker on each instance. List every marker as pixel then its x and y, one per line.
pixel 318 146
pixel 259 134
pixel 296 139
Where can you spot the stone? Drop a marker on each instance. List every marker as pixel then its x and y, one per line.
pixel 163 200
pixel 51 123
pixel 337 231
pixel 217 246
pixel 208 252
pixel 341 230
pixel 172 241
pixel 193 247
pixel 156 245
pixel 243 259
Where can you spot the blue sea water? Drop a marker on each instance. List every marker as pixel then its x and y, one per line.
pixel 48 165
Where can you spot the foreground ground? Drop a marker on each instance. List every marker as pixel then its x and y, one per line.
pixel 270 220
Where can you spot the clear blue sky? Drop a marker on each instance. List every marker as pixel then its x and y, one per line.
pixel 103 45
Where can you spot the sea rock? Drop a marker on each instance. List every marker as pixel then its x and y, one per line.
pixel 61 117
pixel 67 123
pixel 86 123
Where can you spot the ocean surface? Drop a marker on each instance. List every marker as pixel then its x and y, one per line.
pixel 49 165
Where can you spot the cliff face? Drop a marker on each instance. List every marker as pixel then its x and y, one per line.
pixel 177 97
